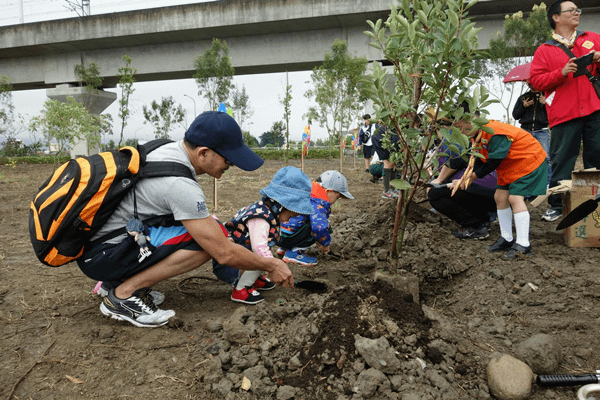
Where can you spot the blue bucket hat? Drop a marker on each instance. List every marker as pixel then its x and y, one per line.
pixel 219 132
pixel 291 188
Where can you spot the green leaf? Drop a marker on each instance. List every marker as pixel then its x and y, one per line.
pixel 422 17
pixel 400 184
pixel 380 35
pixel 471 4
pixel 453 17
pixel 453 148
pixel 461 139
pixel 411 31
pixel 403 21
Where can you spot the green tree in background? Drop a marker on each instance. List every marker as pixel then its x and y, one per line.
pixel 515 46
pixel 287 112
pixel 105 122
pixel 275 136
pixel 240 106
pixel 214 74
pixel 163 116
pixel 89 77
pixel 65 124
pixel 11 124
pixel 249 140
pixel 6 107
pixel 337 91
pixel 131 142
pixel 431 45
pixel 110 146
pixel 126 77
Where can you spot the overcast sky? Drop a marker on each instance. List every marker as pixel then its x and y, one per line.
pixel 265 91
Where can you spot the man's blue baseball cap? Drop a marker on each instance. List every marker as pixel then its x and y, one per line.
pixel 219 132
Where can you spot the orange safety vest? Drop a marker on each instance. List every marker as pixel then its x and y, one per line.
pixel 524 156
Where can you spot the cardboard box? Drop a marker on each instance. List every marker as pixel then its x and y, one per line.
pixel 585 233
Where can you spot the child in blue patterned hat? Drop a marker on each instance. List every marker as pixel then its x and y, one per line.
pixel 256 227
pixel 300 232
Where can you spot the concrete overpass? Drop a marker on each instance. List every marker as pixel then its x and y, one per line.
pixel 263 36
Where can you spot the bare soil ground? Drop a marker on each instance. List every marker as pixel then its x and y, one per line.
pixel 56 344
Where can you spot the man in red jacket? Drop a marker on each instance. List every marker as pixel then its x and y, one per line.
pixel 572 104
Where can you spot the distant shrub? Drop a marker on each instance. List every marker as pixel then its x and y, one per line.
pixel 32 160
pixel 265 154
pixel 275 154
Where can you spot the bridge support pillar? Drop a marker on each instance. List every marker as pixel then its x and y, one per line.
pixel 94 101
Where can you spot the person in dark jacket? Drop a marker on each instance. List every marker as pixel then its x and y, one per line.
pixel 384 155
pixel 365 137
pixel 470 208
pixel 530 111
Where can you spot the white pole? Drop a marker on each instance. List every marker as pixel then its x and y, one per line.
pixel 21 15
pixel 85 5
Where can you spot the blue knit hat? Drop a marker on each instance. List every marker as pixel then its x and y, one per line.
pixel 291 188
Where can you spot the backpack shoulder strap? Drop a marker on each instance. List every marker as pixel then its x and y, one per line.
pixel 154 144
pixel 165 168
pixel 150 146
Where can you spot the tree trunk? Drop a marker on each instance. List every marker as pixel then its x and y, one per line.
pixel 400 221
pixel 341 157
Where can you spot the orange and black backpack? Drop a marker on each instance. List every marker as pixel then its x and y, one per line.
pixel 82 194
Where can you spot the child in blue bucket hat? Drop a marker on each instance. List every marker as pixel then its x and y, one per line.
pixel 301 232
pixel 256 227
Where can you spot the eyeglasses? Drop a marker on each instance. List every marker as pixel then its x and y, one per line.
pixel 573 11
pixel 227 162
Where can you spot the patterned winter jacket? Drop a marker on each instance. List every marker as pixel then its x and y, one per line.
pixel 319 221
pixel 267 209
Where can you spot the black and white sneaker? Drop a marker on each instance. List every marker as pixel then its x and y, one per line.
pixel 138 309
pixel 263 283
pixel 247 295
pixel 102 289
pixel 551 215
pixel 472 233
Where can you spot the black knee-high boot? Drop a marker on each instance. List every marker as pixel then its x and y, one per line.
pixel 387 177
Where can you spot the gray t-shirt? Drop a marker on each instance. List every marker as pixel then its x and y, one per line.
pixel 179 196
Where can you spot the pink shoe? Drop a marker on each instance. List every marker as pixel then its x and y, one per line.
pixel 97 287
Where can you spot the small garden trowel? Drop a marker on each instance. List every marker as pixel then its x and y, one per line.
pixel 312 286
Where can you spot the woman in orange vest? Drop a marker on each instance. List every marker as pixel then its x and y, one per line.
pixel 520 162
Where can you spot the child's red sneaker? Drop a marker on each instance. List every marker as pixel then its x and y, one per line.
pixel 246 295
pixel 263 283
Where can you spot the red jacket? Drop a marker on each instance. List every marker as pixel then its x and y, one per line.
pixel 570 97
